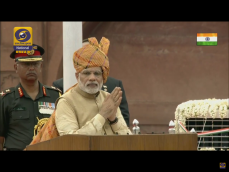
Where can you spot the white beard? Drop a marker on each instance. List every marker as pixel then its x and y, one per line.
pixel 90 90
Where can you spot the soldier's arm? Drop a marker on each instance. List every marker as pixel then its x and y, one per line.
pixel 58 84
pixel 55 84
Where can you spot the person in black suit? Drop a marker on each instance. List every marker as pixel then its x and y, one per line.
pixel 109 87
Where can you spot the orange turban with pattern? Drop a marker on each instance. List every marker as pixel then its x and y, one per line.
pixel 93 54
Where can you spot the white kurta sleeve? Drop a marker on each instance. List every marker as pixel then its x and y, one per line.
pixel 66 121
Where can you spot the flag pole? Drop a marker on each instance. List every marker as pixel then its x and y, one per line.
pixel 72 41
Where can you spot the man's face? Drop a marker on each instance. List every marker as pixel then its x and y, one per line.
pixel 28 70
pixel 90 80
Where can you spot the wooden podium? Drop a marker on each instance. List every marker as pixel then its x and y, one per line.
pixel 120 142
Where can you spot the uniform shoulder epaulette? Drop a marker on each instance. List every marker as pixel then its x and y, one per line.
pixel 53 88
pixel 7 91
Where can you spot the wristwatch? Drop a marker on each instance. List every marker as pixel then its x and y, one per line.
pixel 113 122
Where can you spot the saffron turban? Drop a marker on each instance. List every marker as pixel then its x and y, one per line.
pixel 93 54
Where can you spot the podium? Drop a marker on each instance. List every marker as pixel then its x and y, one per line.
pixel 186 141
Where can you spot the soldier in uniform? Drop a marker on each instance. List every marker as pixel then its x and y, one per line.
pixel 23 106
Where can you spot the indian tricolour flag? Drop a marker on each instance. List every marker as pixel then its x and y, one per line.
pixel 206 39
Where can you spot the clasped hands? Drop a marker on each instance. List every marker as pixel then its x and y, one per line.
pixel 111 103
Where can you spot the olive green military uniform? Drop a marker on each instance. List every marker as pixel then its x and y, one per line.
pixel 19 113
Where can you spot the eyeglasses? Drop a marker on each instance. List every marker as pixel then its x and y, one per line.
pixel 28 64
pixel 88 73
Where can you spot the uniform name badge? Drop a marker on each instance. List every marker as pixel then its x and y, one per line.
pixel 46 107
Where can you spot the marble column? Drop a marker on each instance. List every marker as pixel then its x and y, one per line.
pixel 72 41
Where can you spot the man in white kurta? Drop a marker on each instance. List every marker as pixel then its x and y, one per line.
pixel 86 109
pixel 78 113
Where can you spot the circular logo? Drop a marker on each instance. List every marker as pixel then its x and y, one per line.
pixel 22 35
pixel 207 39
